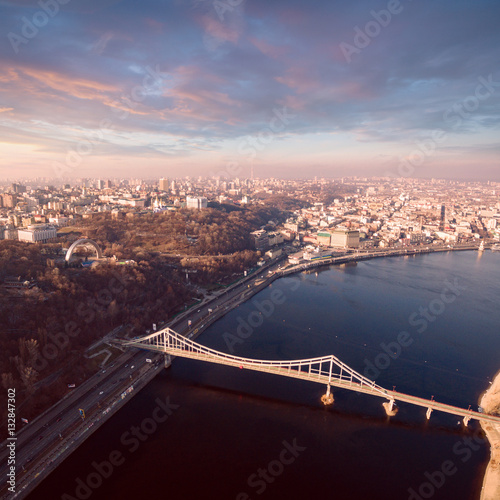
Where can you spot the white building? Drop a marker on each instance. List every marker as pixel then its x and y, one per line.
pixel 39 233
pixel 196 202
pixel 59 220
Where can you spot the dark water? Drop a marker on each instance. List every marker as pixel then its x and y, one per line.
pixel 239 435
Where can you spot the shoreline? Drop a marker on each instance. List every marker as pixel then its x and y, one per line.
pixel 490 402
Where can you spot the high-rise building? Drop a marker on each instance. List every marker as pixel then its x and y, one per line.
pixel 9 200
pixel 163 184
pixel 18 188
pixel 196 202
pixel 443 215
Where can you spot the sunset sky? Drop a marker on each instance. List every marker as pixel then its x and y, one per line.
pixel 110 88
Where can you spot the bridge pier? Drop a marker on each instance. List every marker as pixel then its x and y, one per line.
pixel 428 414
pixel 466 420
pixel 168 360
pixel 327 399
pixel 390 408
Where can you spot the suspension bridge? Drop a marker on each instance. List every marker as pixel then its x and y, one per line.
pixel 326 370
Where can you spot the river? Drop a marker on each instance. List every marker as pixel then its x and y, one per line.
pixel 208 431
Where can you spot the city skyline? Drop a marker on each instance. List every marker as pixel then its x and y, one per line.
pixel 235 88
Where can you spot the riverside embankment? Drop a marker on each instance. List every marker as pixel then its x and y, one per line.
pixel 490 402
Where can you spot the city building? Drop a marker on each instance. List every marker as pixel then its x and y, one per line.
pixel 163 184
pixel 9 200
pixel 196 202
pixel 260 239
pixel 443 216
pixel 37 233
pixel 345 238
pixel 275 238
pixel 324 239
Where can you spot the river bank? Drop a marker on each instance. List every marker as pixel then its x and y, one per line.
pixel 490 402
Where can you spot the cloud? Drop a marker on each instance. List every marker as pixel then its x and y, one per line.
pixel 268 49
pixel 223 75
pixel 100 45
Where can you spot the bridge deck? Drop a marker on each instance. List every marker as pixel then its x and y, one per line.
pixel 321 378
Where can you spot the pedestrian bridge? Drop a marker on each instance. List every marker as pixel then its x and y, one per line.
pixel 327 370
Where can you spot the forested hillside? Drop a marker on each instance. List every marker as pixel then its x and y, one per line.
pixel 47 325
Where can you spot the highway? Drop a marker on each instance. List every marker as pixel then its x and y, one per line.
pixel 43 443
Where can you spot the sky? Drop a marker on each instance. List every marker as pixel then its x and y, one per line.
pixel 283 88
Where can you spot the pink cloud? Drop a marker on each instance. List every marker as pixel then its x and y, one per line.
pixel 227 32
pixel 191 73
pixel 268 49
pixel 300 79
pixel 43 82
pixel 154 24
pixel 293 16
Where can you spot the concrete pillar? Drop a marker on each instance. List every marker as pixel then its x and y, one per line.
pixel 390 407
pixel 428 414
pixel 466 420
pixel 168 360
pixel 327 399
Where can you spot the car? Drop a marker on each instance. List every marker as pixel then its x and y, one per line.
pixel 59 419
pixel 40 438
pixel 101 393
pixel 132 367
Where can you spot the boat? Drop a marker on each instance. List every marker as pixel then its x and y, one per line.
pixel 496 248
